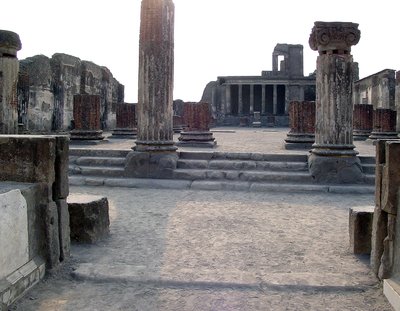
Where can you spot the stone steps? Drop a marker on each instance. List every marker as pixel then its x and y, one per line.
pixel 100 161
pixel 106 171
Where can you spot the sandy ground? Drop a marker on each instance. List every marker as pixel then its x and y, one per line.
pixel 197 250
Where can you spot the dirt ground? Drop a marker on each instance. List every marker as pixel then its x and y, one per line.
pixel 203 250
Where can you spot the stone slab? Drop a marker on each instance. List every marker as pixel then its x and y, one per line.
pixel 360 229
pixel 391 289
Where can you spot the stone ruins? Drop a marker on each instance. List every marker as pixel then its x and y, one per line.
pixel 66 94
pixel 236 97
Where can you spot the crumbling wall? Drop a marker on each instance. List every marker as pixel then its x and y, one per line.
pixel 53 84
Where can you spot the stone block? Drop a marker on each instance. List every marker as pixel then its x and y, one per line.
pixel 89 218
pixel 52 235
pixel 64 229
pixel 61 187
pixel 390 178
pixel 379 232
pixel 27 158
pixel 360 229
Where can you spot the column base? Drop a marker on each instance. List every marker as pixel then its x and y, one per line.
pixel 124 133
pixel 360 135
pixel 202 139
pixel 337 169
pixel 383 135
pixel 155 146
pixel 87 135
pixel 151 164
pixel 299 141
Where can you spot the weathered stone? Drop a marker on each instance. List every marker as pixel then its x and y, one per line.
pixel 178 124
pixel 23 100
pixel 61 187
pixel 333 158
pixel 197 133
pixel 89 218
pixel 391 178
pixel 64 229
pixel 379 232
pixel 9 67
pixel 257 119
pixel 156 63
pixel 150 164
pixel 384 124
pixel 87 118
pixel 52 235
pixel 360 229
pixel 302 125
pixel 126 121
pixel 362 121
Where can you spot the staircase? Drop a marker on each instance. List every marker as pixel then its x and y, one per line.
pixel 213 171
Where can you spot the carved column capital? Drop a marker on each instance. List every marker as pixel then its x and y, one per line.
pixel 9 43
pixel 334 37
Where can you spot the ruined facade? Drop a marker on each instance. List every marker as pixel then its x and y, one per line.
pixel 233 97
pixel 53 82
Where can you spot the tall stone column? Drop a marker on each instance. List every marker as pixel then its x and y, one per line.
pixel 240 100
pixel 263 99
pixel 228 99
pixel 251 99
pixel 275 101
pixel 397 100
pixel 155 153
pixel 9 67
pixel 333 158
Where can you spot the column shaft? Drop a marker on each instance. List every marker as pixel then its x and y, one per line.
pixel 263 99
pixel 228 99
pixel 275 100
pixel 251 99
pixel 240 99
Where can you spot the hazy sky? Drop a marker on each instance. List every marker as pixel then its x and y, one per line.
pixel 212 37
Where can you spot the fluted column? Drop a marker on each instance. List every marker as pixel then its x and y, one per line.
pixel 228 99
pixel 333 158
pixel 263 99
pixel 9 67
pixel 240 100
pixel 275 101
pixel 156 65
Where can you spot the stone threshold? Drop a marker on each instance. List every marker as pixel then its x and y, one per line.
pixel 249 186
pixel 17 283
pixel 391 289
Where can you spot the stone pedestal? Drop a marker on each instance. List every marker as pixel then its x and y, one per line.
pixel 126 124
pixel 197 133
pixel 333 158
pixel 302 125
pixel 243 121
pixel 155 145
pixel 384 124
pixel 257 119
pixel 362 121
pixel 178 124
pixel 87 118
pixel 9 67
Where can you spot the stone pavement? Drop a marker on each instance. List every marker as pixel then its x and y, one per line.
pixel 236 139
pixel 197 250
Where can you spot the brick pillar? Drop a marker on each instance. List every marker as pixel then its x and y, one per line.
pixel 333 158
pixel 384 124
pixel 126 123
pixel 197 117
pixel 362 121
pixel 156 64
pixel 9 67
pixel 87 118
pixel 302 125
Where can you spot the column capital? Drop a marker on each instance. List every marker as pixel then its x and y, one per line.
pixel 334 37
pixel 9 42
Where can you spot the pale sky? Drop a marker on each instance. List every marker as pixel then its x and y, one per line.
pixel 212 37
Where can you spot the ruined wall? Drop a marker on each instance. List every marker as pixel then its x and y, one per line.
pixel 53 84
pixel 377 90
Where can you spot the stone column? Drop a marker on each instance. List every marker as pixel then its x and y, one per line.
pixel 240 100
pixel 126 123
pixel 287 99
pixel 384 124
pixel 197 117
pixel 9 67
pixel 275 100
pixel 397 99
pixel 228 99
pixel 263 99
pixel 154 155
pixel 87 118
pixel 362 121
pixel 302 125
pixel 251 99
pixel 333 158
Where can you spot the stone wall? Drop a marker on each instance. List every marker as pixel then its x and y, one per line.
pixel 53 82
pixel 33 210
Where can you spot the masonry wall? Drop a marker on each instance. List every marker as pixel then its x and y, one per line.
pixel 53 82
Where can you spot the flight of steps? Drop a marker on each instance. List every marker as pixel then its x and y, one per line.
pixel 213 171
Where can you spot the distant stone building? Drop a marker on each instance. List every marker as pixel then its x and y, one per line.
pixel 236 97
pixel 47 87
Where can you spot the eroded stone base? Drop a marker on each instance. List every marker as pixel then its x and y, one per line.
pixel 124 133
pixel 203 139
pixel 150 164
pixel 335 169
pixel 87 135
pixel 299 141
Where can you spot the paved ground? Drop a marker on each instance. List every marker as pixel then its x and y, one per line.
pixel 235 139
pixel 195 250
